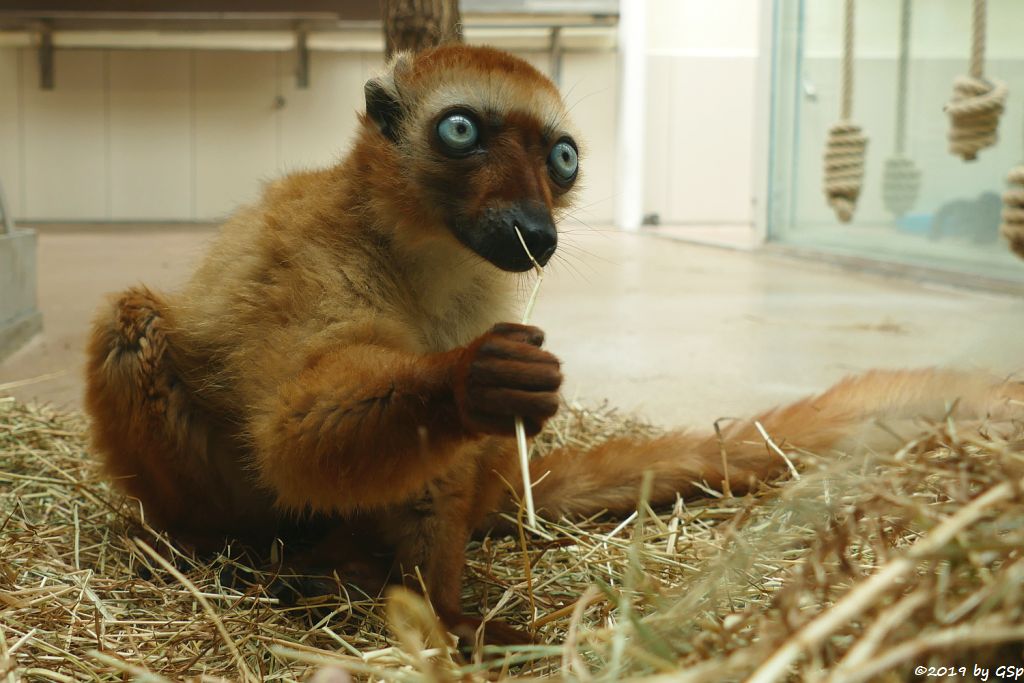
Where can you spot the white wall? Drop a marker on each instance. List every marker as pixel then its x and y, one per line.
pixel 590 84
pixel 137 135
pixel 64 152
pixel 701 89
pixel 150 135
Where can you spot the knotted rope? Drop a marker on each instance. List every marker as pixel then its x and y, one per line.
pixel 844 151
pixel 1012 227
pixel 902 178
pixel 977 101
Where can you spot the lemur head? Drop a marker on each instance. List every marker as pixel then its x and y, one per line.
pixel 481 138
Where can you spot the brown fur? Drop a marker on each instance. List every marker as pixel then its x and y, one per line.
pixel 339 353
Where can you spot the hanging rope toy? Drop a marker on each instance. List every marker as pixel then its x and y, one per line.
pixel 844 151
pixel 977 101
pixel 1012 227
pixel 901 182
pixel 902 179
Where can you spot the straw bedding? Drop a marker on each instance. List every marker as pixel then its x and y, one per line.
pixel 863 569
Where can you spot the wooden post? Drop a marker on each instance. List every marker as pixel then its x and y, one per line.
pixel 418 24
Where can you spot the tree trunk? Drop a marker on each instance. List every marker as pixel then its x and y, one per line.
pixel 419 24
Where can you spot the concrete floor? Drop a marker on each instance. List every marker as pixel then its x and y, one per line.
pixel 680 333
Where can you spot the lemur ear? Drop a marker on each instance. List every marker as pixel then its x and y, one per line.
pixel 383 108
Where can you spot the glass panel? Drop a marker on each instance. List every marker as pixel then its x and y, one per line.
pixel 951 221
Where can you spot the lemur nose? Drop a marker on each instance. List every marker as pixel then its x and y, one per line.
pixel 546 256
pixel 538 229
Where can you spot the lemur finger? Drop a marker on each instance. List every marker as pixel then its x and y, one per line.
pixel 531 426
pixel 514 374
pixel 516 402
pixel 502 425
pixel 517 332
pixel 499 347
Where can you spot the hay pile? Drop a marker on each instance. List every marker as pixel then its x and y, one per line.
pixel 862 570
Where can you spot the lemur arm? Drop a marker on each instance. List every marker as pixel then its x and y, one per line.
pixel 366 425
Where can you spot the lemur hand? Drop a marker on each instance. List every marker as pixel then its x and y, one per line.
pixel 504 374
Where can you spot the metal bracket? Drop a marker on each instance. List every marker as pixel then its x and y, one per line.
pixel 6 222
pixel 46 79
pixel 556 51
pixel 302 61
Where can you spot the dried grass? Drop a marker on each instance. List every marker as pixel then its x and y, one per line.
pixel 861 570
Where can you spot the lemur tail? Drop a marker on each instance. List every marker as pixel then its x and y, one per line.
pixel 863 411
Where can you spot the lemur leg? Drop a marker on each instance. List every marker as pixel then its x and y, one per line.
pixel 155 442
pixel 430 535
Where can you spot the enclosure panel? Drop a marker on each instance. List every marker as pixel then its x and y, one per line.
pixel 953 217
pixel 701 69
pixel 150 135
pixel 317 124
pixel 10 130
pixel 944 176
pixel 65 138
pixel 235 129
pixel 164 135
pixel 941 28
pixel 590 85
pixel 19 316
pixel 710 139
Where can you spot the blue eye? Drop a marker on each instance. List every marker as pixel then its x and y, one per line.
pixel 458 132
pixel 563 161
